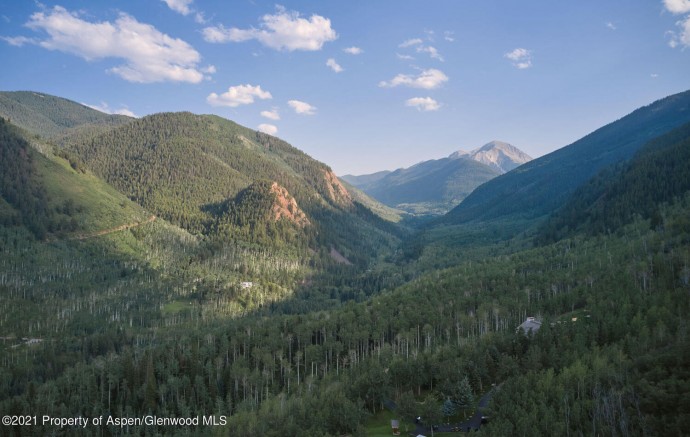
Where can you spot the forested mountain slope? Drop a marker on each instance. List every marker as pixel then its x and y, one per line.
pixel 659 172
pixel 184 167
pixel 542 185
pixel 616 304
pixel 53 117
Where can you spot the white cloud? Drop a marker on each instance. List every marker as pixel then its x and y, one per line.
pixel 268 128
pixel 427 79
pixel 654 75
pixel 271 115
pixel 238 95
pixel 18 41
pixel 404 57
pixel 353 50
pixel 334 65
pixel 419 46
pixel 410 42
pixel 432 51
pixel 448 36
pixel 302 107
pixel 149 55
pixel 611 26
pixel 683 37
pixel 179 6
pixel 103 107
pixel 522 58
pixel 423 103
pixel 677 6
pixel 282 31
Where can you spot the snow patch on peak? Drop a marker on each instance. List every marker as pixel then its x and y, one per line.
pixel 499 155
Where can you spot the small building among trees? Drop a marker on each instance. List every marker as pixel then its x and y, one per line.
pixel 530 324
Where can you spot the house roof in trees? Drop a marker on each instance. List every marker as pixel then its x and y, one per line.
pixel 530 324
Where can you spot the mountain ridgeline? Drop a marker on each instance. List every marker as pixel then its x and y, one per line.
pixel 54 117
pixel 498 155
pixel 541 186
pixel 435 186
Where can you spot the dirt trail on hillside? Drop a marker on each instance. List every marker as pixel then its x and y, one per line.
pixel 111 230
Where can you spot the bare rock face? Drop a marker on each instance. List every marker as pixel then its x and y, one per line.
pixel 286 207
pixel 337 193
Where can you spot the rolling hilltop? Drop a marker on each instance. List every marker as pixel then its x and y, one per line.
pixel 436 186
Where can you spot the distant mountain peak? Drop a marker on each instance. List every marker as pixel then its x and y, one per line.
pixel 498 155
pixel 459 154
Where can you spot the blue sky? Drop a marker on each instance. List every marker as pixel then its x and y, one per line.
pixel 360 85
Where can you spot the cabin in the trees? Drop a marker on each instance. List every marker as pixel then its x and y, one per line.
pixel 530 324
pixel 396 427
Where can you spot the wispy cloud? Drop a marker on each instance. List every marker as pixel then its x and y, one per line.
pixel 420 47
pixel 303 108
pixel 522 58
pixel 431 51
pixel 611 26
pixel 353 50
pixel 404 57
pixel 149 55
pixel 334 65
pixel 271 115
pixel 427 79
pixel 238 95
pixel 448 36
pixel 103 107
pixel 410 43
pixel 423 104
pixel 268 128
pixel 682 36
pixel 281 31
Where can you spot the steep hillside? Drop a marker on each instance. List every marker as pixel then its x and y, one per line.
pixel 381 210
pixel 176 163
pixel 185 167
pixel 658 173
pixel 542 185
pixel 53 117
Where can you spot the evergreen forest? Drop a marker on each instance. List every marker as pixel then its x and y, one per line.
pixel 184 266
